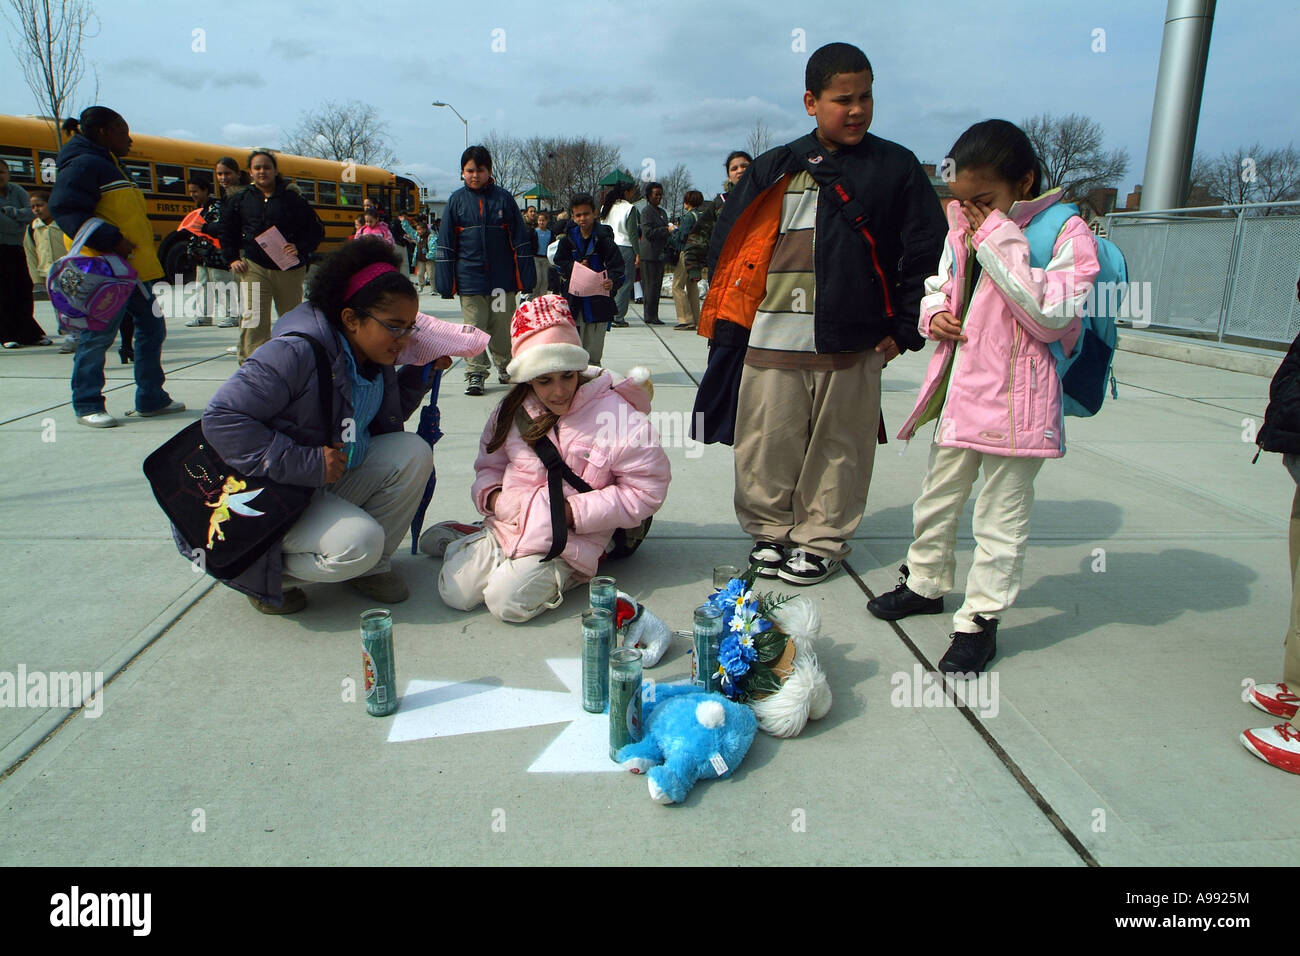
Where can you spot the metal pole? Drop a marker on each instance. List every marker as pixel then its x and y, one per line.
pixel 1177 109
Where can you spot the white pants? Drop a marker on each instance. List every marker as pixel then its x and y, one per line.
pixel 476 571
pixel 353 526
pixel 219 293
pixel 1000 526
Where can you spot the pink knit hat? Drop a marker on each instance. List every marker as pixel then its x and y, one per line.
pixel 544 339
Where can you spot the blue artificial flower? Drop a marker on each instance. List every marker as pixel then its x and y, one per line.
pixel 725 598
pixel 734 658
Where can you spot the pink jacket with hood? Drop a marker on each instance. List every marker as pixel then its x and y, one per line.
pixel 1003 396
pixel 608 441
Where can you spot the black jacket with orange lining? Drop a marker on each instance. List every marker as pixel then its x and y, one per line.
pixel 860 298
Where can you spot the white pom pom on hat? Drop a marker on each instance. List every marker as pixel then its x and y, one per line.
pixel 544 340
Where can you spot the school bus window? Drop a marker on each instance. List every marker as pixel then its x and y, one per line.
pixel 19 162
pixel 171 179
pixel 327 194
pixel 140 174
pixel 349 194
pixel 308 188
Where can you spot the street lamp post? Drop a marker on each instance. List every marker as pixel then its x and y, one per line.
pixel 458 116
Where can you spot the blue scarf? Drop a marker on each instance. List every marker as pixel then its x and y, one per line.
pixel 367 396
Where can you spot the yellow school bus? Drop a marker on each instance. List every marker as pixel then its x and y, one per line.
pixel 161 168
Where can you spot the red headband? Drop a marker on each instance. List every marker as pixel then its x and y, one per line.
pixel 372 271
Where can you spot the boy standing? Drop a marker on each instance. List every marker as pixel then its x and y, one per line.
pixel 817 267
pixel 485 254
pixel 592 244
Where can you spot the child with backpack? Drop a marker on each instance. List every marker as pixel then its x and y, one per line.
pixel 992 384
pixel 546 529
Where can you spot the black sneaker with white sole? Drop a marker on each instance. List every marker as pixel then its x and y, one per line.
pixel 766 558
pixel 804 567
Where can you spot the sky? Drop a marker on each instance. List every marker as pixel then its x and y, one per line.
pixel 672 82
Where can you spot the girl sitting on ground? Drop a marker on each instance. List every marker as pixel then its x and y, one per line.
pixel 528 553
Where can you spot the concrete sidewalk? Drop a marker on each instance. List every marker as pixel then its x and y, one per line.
pixel 1156 581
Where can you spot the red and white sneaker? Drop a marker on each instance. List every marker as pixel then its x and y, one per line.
pixel 436 540
pixel 1278 745
pixel 1275 699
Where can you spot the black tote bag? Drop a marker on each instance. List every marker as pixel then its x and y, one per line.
pixel 226 519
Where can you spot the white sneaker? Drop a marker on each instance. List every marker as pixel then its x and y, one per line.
pixel 436 540
pixel 198 321
pixel 227 323
pixel 167 409
pixel 1279 745
pixel 232 350
pixel 97 420
pixel 804 567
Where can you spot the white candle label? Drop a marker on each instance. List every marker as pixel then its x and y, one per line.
pixel 719 764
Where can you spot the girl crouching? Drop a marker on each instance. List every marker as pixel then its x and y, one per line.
pixel 528 552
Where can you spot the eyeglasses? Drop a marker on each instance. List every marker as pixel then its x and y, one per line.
pixel 398 332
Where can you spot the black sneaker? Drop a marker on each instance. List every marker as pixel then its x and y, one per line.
pixel 474 384
pixel 766 558
pixel 619 323
pixel 903 602
pixel 971 653
pixel 654 322
pixel 804 567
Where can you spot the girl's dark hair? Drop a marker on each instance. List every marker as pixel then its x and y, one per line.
pixel 95 119
pixel 263 152
pixel 201 181
pixel 508 411
pixel 1001 147
pixel 71 126
pixel 230 163
pixel 479 154
pixel 693 198
pixel 582 199
pixel 733 154
pixel 329 279
pixel 612 195
pixel 280 181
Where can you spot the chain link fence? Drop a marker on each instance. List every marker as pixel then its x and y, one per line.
pixel 1226 273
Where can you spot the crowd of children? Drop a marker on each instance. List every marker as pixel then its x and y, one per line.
pixel 827 258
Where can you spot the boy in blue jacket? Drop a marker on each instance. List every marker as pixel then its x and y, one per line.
pixel 485 255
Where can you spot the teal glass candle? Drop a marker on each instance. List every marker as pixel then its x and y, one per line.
pixel 708 641
pixel 624 699
pixel 597 641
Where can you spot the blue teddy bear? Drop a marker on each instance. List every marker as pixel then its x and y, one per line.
pixel 689 734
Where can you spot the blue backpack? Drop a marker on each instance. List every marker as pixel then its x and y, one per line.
pixel 1085 374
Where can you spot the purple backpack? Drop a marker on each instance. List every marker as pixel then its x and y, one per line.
pixel 90 291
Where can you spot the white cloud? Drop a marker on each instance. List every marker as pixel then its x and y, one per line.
pixel 242 134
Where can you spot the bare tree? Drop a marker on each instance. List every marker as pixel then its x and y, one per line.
pixel 508 168
pixel 567 166
pixel 47 41
pixel 760 137
pixel 347 132
pixel 675 185
pixel 1250 174
pixel 1072 150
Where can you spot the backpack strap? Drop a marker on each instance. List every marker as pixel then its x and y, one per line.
pixel 824 168
pixel 1043 230
pixel 324 378
pixel 556 473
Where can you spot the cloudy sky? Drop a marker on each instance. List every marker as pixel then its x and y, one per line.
pixel 684 83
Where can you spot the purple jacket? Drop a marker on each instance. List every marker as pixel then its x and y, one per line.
pixel 266 418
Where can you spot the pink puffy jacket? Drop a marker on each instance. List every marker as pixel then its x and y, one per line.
pixel 1003 394
pixel 608 441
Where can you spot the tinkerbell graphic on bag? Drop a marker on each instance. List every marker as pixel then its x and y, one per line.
pixel 233 498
